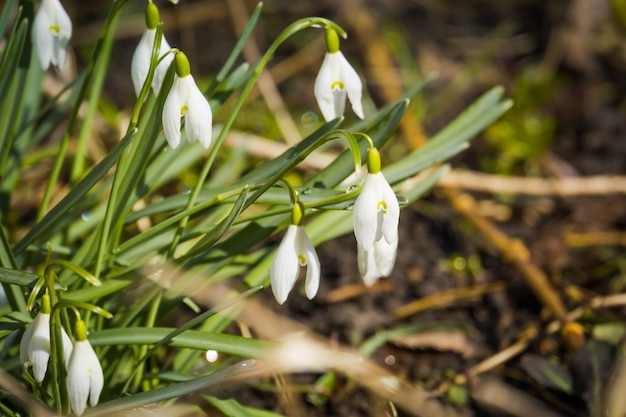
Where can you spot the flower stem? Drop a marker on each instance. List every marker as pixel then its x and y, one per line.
pixel 290 30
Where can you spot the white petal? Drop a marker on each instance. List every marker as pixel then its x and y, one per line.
pixel 326 99
pixel 41 36
pixel 84 377
pixel 26 338
pixel 385 256
pixel 78 378
pixel 285 266
pixel 140 65
pixel 96 378
pixel 39 346
pixel 171 114
pixel 365 212
pixel 161 70
pixel 367 266
pixel 63 22
pixel 198 120
pixel 67 346
pixel 389 227
pixel 306 249
pixel 353 85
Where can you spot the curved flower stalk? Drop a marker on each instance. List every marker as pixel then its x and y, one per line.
pixel 52 30
pixel 85 379
pixel 376 217
pixel 140 64
pixel 35 343
pixel 336 80
pixel 295 250
pixel 186 100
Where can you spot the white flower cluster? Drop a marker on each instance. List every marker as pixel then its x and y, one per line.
pixel 84 372
pixel 376 210
pixel 184 99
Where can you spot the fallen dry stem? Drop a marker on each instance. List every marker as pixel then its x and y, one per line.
pixel 448 298
pixel 297 348
pixel 512 250
pixel 595 239
pixel 562 187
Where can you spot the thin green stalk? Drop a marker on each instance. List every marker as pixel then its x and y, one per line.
pixel 78 166
pixel 143 349
pixel 119 177
pixel 285 34
pixel 13 292
pixel 58 163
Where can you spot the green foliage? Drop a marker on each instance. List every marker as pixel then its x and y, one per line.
pixel 525 132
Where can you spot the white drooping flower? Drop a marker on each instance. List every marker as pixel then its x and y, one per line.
pixel 35 343
pixel 336 80
pixel 186 100
pixel 52 29
pixel 295 251
pixel 85 379
pixel 376 216
pixel 140 65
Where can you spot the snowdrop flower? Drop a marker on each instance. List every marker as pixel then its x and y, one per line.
pixel 52 29
pixel 335 80
pixel 376 216
pixel 140 64
pixel 35 343
pixel 295 250
pixel 185 99
pixel 84 373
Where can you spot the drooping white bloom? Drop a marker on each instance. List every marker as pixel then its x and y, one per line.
pixel 52 29
pixel 295 250
pixel 336 80
pixel 140 64
pixel 185 99
pixel 85 379
pixel 35 345
pixel 376 216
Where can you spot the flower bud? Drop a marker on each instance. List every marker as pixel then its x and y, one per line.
pixel 373 161
pixel 332 41
pixel 181 63
pixel 152 16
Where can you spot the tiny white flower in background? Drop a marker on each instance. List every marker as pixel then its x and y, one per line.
pixel 52 29
pixel 85 379
pixel 186 100
pixel 336 80
pixel 295 250
pixel 35 343
pixel 140 64
pixel 376 216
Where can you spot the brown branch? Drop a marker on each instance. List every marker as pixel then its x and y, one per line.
pixel 563 187
pixel 512 250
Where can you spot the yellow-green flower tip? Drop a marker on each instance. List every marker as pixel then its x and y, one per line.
pixel 297 214
pixel 373 161
pixel 81 330
pixel 152 16
pixel 45 304
pixel 332 41
pixel 181 63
